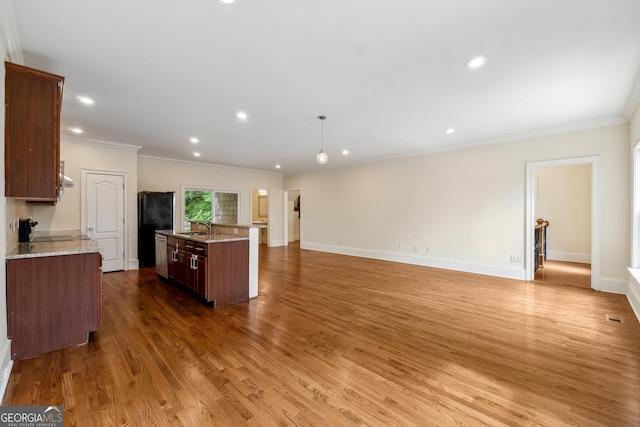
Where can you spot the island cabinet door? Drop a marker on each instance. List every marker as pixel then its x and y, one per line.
pixel 191 273
pixel 171 258
pixel 176 263
pixel 182 267
pixel 228 272
pixel 53 302
pixel 200 276
pixel 171 263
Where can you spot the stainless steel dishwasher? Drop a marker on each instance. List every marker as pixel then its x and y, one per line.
pixel 161 255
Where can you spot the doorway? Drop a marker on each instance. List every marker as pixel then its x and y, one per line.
pixel 260 213
pixel 292 217
pixel 103 215
pixel 562 201
pixel 533 197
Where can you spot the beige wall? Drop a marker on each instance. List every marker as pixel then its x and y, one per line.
pixel 65 215
pixel 168 175
pixel 466 206
pixel 564 199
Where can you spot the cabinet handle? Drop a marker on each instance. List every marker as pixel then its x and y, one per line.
pixel 199 249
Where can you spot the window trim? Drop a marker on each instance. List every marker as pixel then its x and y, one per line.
pixel 635 213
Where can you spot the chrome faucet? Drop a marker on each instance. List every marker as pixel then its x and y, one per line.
pixel 206 224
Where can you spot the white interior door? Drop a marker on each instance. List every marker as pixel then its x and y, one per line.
pixel 105 217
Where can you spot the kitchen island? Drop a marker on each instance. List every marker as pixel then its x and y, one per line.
pixel 212 263
pixel 54 294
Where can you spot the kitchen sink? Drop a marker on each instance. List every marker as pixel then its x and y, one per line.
pixel 199 234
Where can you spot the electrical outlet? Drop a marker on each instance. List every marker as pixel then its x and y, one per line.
pixel 428 250
pixel 415 248
pixel 400 246
pixel 235 231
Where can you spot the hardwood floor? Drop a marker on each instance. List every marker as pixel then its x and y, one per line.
pixel 564 273
pixel 337 341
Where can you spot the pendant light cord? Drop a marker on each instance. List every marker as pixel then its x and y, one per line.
pixel 322 119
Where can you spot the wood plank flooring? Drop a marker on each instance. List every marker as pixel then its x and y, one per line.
pixel 564 273
pixel 343 341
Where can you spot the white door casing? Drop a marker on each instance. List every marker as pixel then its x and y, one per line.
pixel 105 217
pixel 596 233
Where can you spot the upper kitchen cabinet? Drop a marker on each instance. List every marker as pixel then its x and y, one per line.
pixel 33 100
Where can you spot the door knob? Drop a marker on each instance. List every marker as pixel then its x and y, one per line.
pixel 90 228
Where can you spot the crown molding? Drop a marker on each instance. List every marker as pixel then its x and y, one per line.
pixel 100 143
pixel 216 165
pixel 633 102
pixel 9 33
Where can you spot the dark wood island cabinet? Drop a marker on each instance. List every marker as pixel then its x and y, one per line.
pixel 216 272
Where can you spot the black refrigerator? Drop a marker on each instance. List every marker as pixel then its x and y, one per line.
pixel 155 212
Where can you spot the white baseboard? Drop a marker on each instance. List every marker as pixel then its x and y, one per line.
pixel 468 267
pixel 634 300
pixel 569 257
pixel 614 286
pixel 5 368
pixel 133 264
pixel 633 292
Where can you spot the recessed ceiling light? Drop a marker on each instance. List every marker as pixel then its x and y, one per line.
pixel 85 100
pixel 277 166
pixel 194 140
pixel 476 62
pixel 196 154
pixel 241 115
pixel 227 1
pixel 345 152
pixel 75 130
pixel 449 130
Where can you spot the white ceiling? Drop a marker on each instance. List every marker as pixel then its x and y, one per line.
pixel 389 75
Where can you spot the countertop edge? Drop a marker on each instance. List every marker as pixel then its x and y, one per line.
pixel 218 238
pixel 39 250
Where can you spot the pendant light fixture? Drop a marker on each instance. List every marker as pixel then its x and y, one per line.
pixel 322 158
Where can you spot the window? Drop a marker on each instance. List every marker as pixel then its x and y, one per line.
pixel 197 206
pixel 206 204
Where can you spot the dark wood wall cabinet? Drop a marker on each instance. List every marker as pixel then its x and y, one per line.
pixel 33 100
pixel 217 273
pixel 53 302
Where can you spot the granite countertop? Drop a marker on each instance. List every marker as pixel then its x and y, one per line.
pixel 74 246
pixel 202 237
pixel 256 224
